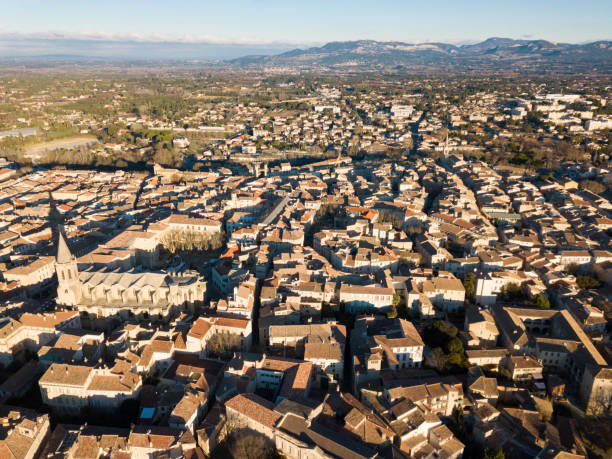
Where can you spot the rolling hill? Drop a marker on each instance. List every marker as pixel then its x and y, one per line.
pixel 491 54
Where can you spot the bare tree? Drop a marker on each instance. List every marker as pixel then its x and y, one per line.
pixel 250 445
pixel 223 345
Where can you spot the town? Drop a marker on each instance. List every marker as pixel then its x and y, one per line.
pixel 334 266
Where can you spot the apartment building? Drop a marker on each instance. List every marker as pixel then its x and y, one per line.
pixel 358 298
pixel 70 388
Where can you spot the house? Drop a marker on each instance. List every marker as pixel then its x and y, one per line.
pixel 327 358
pixel 380 343
pixel 291 335
pixel 18 384
pixel 33 331
pixel 359 298
pixel 489 285
pixel 35 277
pixel 186 413
pixel 435 397
pixel 287 378
pixel 148 441
pixel 523 367
pixel 596 390
pixel 180 222
pixel 252 412
pixel 204 329
pixel 486 357
pixel 580 258
pixel 297 437
pixel 70 388
pixel 484 388
pixel 23 432
pixel 444 291
pixel 480 326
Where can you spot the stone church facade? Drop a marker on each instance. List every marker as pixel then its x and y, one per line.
pixel 101 295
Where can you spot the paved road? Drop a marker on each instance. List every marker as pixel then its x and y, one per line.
pixel 276 211
pixel 414 128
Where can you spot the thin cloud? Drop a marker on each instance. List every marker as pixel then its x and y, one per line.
pixel 146 38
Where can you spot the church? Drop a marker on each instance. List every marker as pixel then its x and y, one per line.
pixel 102 295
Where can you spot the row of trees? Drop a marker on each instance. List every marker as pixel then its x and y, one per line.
pixel 223 345
pixel 518 293
pixel 175 241
pixel 387 216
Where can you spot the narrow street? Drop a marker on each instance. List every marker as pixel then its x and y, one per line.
pixel 414 128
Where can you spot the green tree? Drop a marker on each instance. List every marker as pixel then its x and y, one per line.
pixel 469 285
pixel 541 301
pixel 494 454
pixel 587 282
pixel 454 346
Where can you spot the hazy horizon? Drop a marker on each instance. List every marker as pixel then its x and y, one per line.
pixel 16 46
pixel 191 29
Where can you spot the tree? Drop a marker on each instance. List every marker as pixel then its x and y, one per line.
pixel 250 445
pixel 593 186
pixel 494 454
pixel 458 423
pixel 544 407
pixel 505 374
pixel 447 353
pixel 454 361
pixel 392 313
pixel 541 301
pixel 436 359
pixel 469 285
pixel 223 345
pixel 587 282
pixel 396 300
pixel 385 216
pixel 454 346
pixel 512 292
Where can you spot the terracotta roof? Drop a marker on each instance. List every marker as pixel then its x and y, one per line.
pixel 255 407
pixel 70 375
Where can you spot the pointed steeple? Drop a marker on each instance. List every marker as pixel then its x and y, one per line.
pixel 63 251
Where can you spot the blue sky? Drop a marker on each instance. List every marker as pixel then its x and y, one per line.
pixel 317 21
pixel 286 24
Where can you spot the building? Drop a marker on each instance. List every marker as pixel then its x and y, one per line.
pixel 480 325
pixel 361 299
pixel 523 367
pixel 32 331
pixel 23 432
pixel 70 388
pixel 328 359
pixel 252 412
pixel 596 390
pixel 489 285
pixel 34 277
pixel 380 343
pixel 237 331
pixel 102 294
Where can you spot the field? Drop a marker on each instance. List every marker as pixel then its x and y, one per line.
pixel 39 149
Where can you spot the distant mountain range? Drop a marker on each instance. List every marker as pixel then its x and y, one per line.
pixel 494 53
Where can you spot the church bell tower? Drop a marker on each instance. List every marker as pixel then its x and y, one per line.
pixel 67 274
